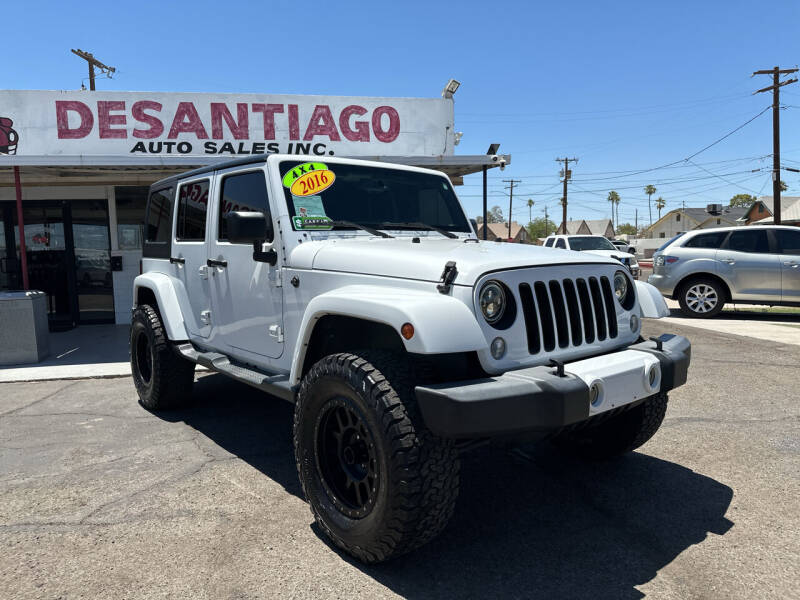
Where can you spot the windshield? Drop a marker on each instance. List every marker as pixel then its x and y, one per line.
pixel 590 243
pixel 322 196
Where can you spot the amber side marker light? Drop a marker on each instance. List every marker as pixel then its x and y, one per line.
pixel 407 331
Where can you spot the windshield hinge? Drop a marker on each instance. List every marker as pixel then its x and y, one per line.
pixel 448 277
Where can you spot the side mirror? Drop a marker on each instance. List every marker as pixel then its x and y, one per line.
pixel 246 227
pixel 631 250
pixel 252 228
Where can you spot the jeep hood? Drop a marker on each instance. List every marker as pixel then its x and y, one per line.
pixel 400 257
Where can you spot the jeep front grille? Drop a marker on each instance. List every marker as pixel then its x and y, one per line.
pixel 567 312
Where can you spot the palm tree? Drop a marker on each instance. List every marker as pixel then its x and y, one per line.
pixel 530 208
pixel 650 190
pixel 613 197
pixel 659 205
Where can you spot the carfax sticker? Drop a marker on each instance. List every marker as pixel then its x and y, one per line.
pixel 301 222
pixel 308 179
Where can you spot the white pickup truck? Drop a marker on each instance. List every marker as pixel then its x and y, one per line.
pixel 359 292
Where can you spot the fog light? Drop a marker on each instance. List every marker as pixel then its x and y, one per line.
pixel 653 377
pixel 596 393
pixel 498 348
pixel 634 323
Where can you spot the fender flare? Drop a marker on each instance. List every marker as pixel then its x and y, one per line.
pixel 442 324
pixel 651 303
pixel 162 287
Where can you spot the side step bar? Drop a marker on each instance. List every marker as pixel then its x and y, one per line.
pixel 277 385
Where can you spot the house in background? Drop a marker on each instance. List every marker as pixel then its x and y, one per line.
pixel 588 227
pixel 498 232
pixel 685 219
pixel 760 212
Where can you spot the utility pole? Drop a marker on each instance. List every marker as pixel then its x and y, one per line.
pixel 510 187
pixel 637 223
pixel 777 84
pixel 566 173
pixel 93 62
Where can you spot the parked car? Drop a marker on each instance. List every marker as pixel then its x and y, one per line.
pixel 624 246
pixel 359 292
pixel 594 244
pixel 704 269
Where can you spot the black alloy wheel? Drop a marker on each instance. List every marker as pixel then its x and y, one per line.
pixel 346 458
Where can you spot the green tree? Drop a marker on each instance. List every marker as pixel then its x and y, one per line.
pixel 742 200
pixel 659 205
pixel 626 229
pixel 530 209
pixel 613 197
pixel 539 228
pixel 495 215
pixel 649 190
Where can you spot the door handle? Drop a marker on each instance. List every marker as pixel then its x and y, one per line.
pixel 174 260
pixel 730 261
pixel 217 263
pixel 791 263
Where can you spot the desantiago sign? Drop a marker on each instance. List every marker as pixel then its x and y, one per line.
pixel 81 123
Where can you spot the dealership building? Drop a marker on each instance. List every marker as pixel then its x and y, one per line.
pixel 75 169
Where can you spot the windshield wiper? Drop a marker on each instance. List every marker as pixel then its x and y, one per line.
pixel 423 226
pixel 366 228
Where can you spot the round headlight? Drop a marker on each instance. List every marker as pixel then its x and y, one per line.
pixel 620 286
pixel 493 301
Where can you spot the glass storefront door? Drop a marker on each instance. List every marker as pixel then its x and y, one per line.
pixel 69 258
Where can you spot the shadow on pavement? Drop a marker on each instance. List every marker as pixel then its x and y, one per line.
pixel 529 522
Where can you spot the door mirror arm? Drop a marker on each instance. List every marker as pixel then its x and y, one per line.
pixel 267 256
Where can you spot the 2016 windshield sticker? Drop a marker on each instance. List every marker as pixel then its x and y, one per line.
pixel 308 179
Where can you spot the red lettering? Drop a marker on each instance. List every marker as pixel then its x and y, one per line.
pixel 361 131
pixel 156 126
pixel 322 123
pixel 240 130
pixel 390 134
pixel 105 119
pixel 187 121
pixel 294 123
pixel 268 111
pixel 62 119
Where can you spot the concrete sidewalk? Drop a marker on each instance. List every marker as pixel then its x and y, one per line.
pixel 84 352
pixel 778 327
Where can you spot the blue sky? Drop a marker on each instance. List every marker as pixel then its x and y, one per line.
pixel 623 86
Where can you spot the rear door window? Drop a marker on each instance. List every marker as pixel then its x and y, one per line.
pixel 752 241
pixel 706 240
pixel 192 209
pixel 561 244
pixel 549 242
pixel 788 241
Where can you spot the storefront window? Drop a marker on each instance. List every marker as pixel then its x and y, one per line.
pixel 131 203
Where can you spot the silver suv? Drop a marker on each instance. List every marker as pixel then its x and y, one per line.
pixel 704 269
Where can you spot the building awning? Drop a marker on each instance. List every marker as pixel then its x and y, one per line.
pixel 127 170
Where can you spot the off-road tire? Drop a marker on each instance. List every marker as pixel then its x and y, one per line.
pixel 163 378
pixel 618 435
pixel 417 480
pixel 685 288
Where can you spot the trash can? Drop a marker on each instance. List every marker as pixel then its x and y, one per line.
pixel 24 336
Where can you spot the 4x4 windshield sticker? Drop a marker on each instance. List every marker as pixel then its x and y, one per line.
pixel 308 179
pixel 310 213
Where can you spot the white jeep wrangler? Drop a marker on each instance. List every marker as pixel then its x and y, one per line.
pixel 358 291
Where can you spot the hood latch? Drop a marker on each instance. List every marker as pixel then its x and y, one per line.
pixel 448 277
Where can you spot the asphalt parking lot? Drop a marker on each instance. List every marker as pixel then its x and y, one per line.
pixel 101 499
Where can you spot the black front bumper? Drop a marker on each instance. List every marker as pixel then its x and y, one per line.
pixel 542 400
